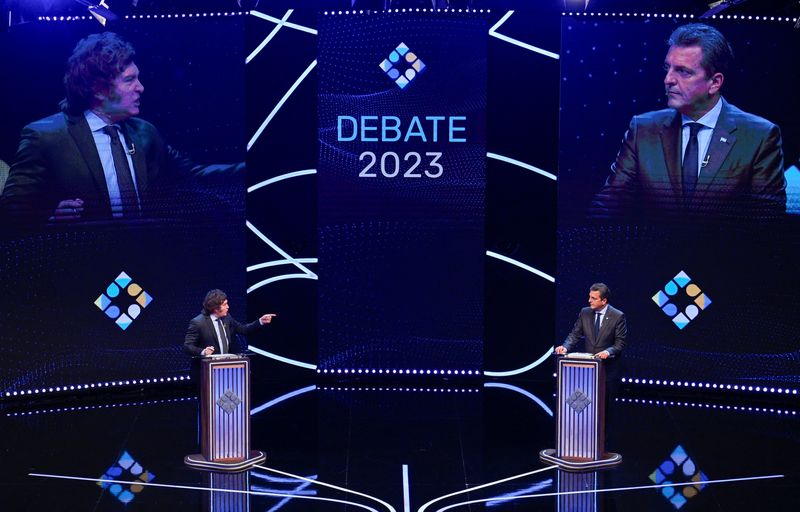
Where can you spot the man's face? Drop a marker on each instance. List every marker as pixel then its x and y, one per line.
pixel 222 310
pixel 122 99
pixel 595 302
pixel 688 89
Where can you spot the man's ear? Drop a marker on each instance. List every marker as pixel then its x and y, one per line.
pixel 716 83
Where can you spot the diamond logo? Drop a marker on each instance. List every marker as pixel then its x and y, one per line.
pixel 228 402
pixel 402 65
pixel 678 468
pixel 578 401
pixel 125 468
pixel 123 300
pixel 693 298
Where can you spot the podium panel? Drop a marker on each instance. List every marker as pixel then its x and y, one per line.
pixel 225 415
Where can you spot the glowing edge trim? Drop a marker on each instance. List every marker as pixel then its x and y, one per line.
pixel 520 391
pixel 281 358
pixel 281 398
pixel 493 32
pixel 391 509
pixel 639 487
pixel 522 164
pixel 197 488
pixel 406 492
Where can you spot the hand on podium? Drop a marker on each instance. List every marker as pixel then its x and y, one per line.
pixel 560 350
pixel 207 351
pixel 602 355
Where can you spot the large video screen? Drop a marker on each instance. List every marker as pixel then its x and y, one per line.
pixel 98 290
pixel 707 277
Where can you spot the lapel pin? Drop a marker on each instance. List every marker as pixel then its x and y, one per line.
pixel 723 139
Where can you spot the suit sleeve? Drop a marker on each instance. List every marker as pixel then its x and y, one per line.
pixel 615 198
pixel 24 195
pixel 575 335
pixel 768 185
pixel 620 335
pixel 191 344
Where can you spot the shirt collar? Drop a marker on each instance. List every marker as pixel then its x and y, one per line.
pixel 95 122
pixel 603 311
pixel 709 119
pixel 213 317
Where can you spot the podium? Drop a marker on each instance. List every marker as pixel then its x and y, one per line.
pixel 225 416
pixel 580 416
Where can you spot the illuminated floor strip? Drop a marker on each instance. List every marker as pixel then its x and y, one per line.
pixel 273 19
pixel 483 486
pixel 520 391
pixel 198 488
pixel 281 358
pixel 282 177
pixel 521 265
pixel 522 164
pixel 280 251
pixel 280 104
pixel 276 263
pixel 266 41
pixel 282 398
pixel 317 482
pixel 616 489
pixel 406 492
pixel 493 32
pixel 524 369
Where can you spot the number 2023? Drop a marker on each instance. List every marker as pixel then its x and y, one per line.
pixel 390 165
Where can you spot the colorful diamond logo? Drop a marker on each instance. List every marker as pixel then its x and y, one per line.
pixel 681 286
pixel 123 300
pixel 128 470
pixel 679 468
pixel 402 65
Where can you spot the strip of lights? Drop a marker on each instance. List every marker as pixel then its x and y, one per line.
pixel 395 371
pixel 106 406
pixel 150 16
pixel 676 16
pixel 710 386
pixel 94 385
pixel 741 408
pixel 407 10
pixel 410 390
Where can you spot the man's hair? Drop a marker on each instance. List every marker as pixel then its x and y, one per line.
pixel 95 62
pixel 213 300
pixel 717 52
pixel 605 291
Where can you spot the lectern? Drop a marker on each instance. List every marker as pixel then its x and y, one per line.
pixel 580 416
pixel 225 415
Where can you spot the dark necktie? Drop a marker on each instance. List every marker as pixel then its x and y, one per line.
pixel 223 341
pixel 690 169
pixel 596 325
pixel 127 191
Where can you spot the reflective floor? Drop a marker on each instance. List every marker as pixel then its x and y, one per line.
pixel 423 447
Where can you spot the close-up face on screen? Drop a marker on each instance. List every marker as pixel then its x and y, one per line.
pixel 678 183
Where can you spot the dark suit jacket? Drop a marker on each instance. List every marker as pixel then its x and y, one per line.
pixel 57 159
pixel 743 177
pixel 201 334
pixel 613 332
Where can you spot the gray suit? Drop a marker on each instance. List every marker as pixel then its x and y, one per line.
pixel 613 332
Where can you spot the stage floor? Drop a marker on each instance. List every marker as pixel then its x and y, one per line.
pixel 423 447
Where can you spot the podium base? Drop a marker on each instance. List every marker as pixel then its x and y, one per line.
pixel 608 460
pixel 197 461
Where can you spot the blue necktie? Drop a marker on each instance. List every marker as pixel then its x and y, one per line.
pixel 596 325
pixel 690 169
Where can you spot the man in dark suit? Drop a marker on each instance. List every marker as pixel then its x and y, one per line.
pixel 213 330
pixel 702 158
pixel 602 327
pixel 95 160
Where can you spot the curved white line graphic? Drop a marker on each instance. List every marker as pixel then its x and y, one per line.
pixel 520 391
pixel 282 398
pixel 198 488
pixel 317 482
pixel 282 359
pixel 493 32
pixel 280 278
pixel 524 369
pixel 286 176
pixel 636 488
pixel 266 41
pixel 273 19
pixel 519 163
pixel 521 265
pixel 277 249
pixel 276 263
pixel 471 489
